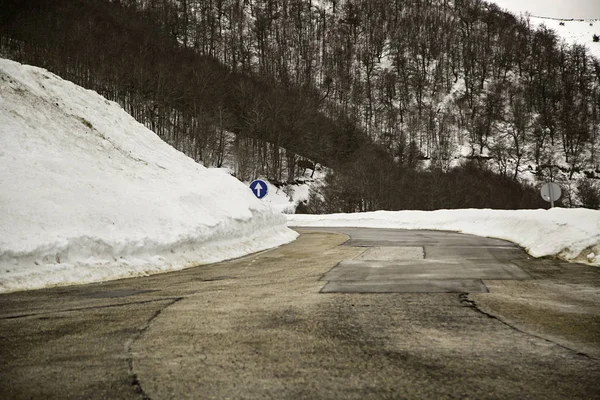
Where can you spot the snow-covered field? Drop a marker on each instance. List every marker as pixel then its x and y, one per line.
pixel 575 22
pixel 570 234
pixel 573 31
pixel 553 8
pixel 89 194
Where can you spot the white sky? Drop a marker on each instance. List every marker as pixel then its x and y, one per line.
pixel 584 9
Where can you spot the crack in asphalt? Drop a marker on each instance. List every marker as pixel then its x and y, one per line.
pixel 90 308
pixel 464 299
pixel 135 381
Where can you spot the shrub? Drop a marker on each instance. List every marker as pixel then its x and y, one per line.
pixel 589 193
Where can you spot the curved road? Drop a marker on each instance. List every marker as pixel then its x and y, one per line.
pixel 339 313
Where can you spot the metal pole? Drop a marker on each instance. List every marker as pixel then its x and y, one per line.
pixel 551 195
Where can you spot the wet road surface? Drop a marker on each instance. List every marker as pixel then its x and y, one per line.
pixel 386 314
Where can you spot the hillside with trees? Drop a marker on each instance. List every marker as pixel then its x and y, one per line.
pixel 414 104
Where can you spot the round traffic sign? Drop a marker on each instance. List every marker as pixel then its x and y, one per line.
pixel 259 188
pixel 550 191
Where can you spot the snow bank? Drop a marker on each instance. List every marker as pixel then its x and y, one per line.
pixel 278 199
pixel 567 233
pixel 286 199
pixel 89 194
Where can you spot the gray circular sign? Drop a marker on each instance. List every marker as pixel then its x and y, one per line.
pixel 550 191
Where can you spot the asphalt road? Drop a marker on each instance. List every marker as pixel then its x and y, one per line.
pixel 386 314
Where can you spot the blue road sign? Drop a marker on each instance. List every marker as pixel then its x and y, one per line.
pixel 259 188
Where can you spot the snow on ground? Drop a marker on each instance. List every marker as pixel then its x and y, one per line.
pixel 576 22
pixel 570 234
pixel 286 199
pixel 89 194
pixel 553 8
pixel 573 31
pixel 278 199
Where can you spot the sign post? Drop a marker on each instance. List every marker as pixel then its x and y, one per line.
pixel 551 192
pixel 259 188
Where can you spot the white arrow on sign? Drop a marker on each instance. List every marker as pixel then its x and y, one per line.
pixel 258 188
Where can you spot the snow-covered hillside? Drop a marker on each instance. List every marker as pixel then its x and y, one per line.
pixel 285 199
pixel 89 194
pixel 553 8
pixel 575 22
pixel 573 31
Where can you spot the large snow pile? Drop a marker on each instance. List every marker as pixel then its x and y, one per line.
pixel 567 233
pixel 89 194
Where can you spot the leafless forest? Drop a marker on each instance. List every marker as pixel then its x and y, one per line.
pixel 414 104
